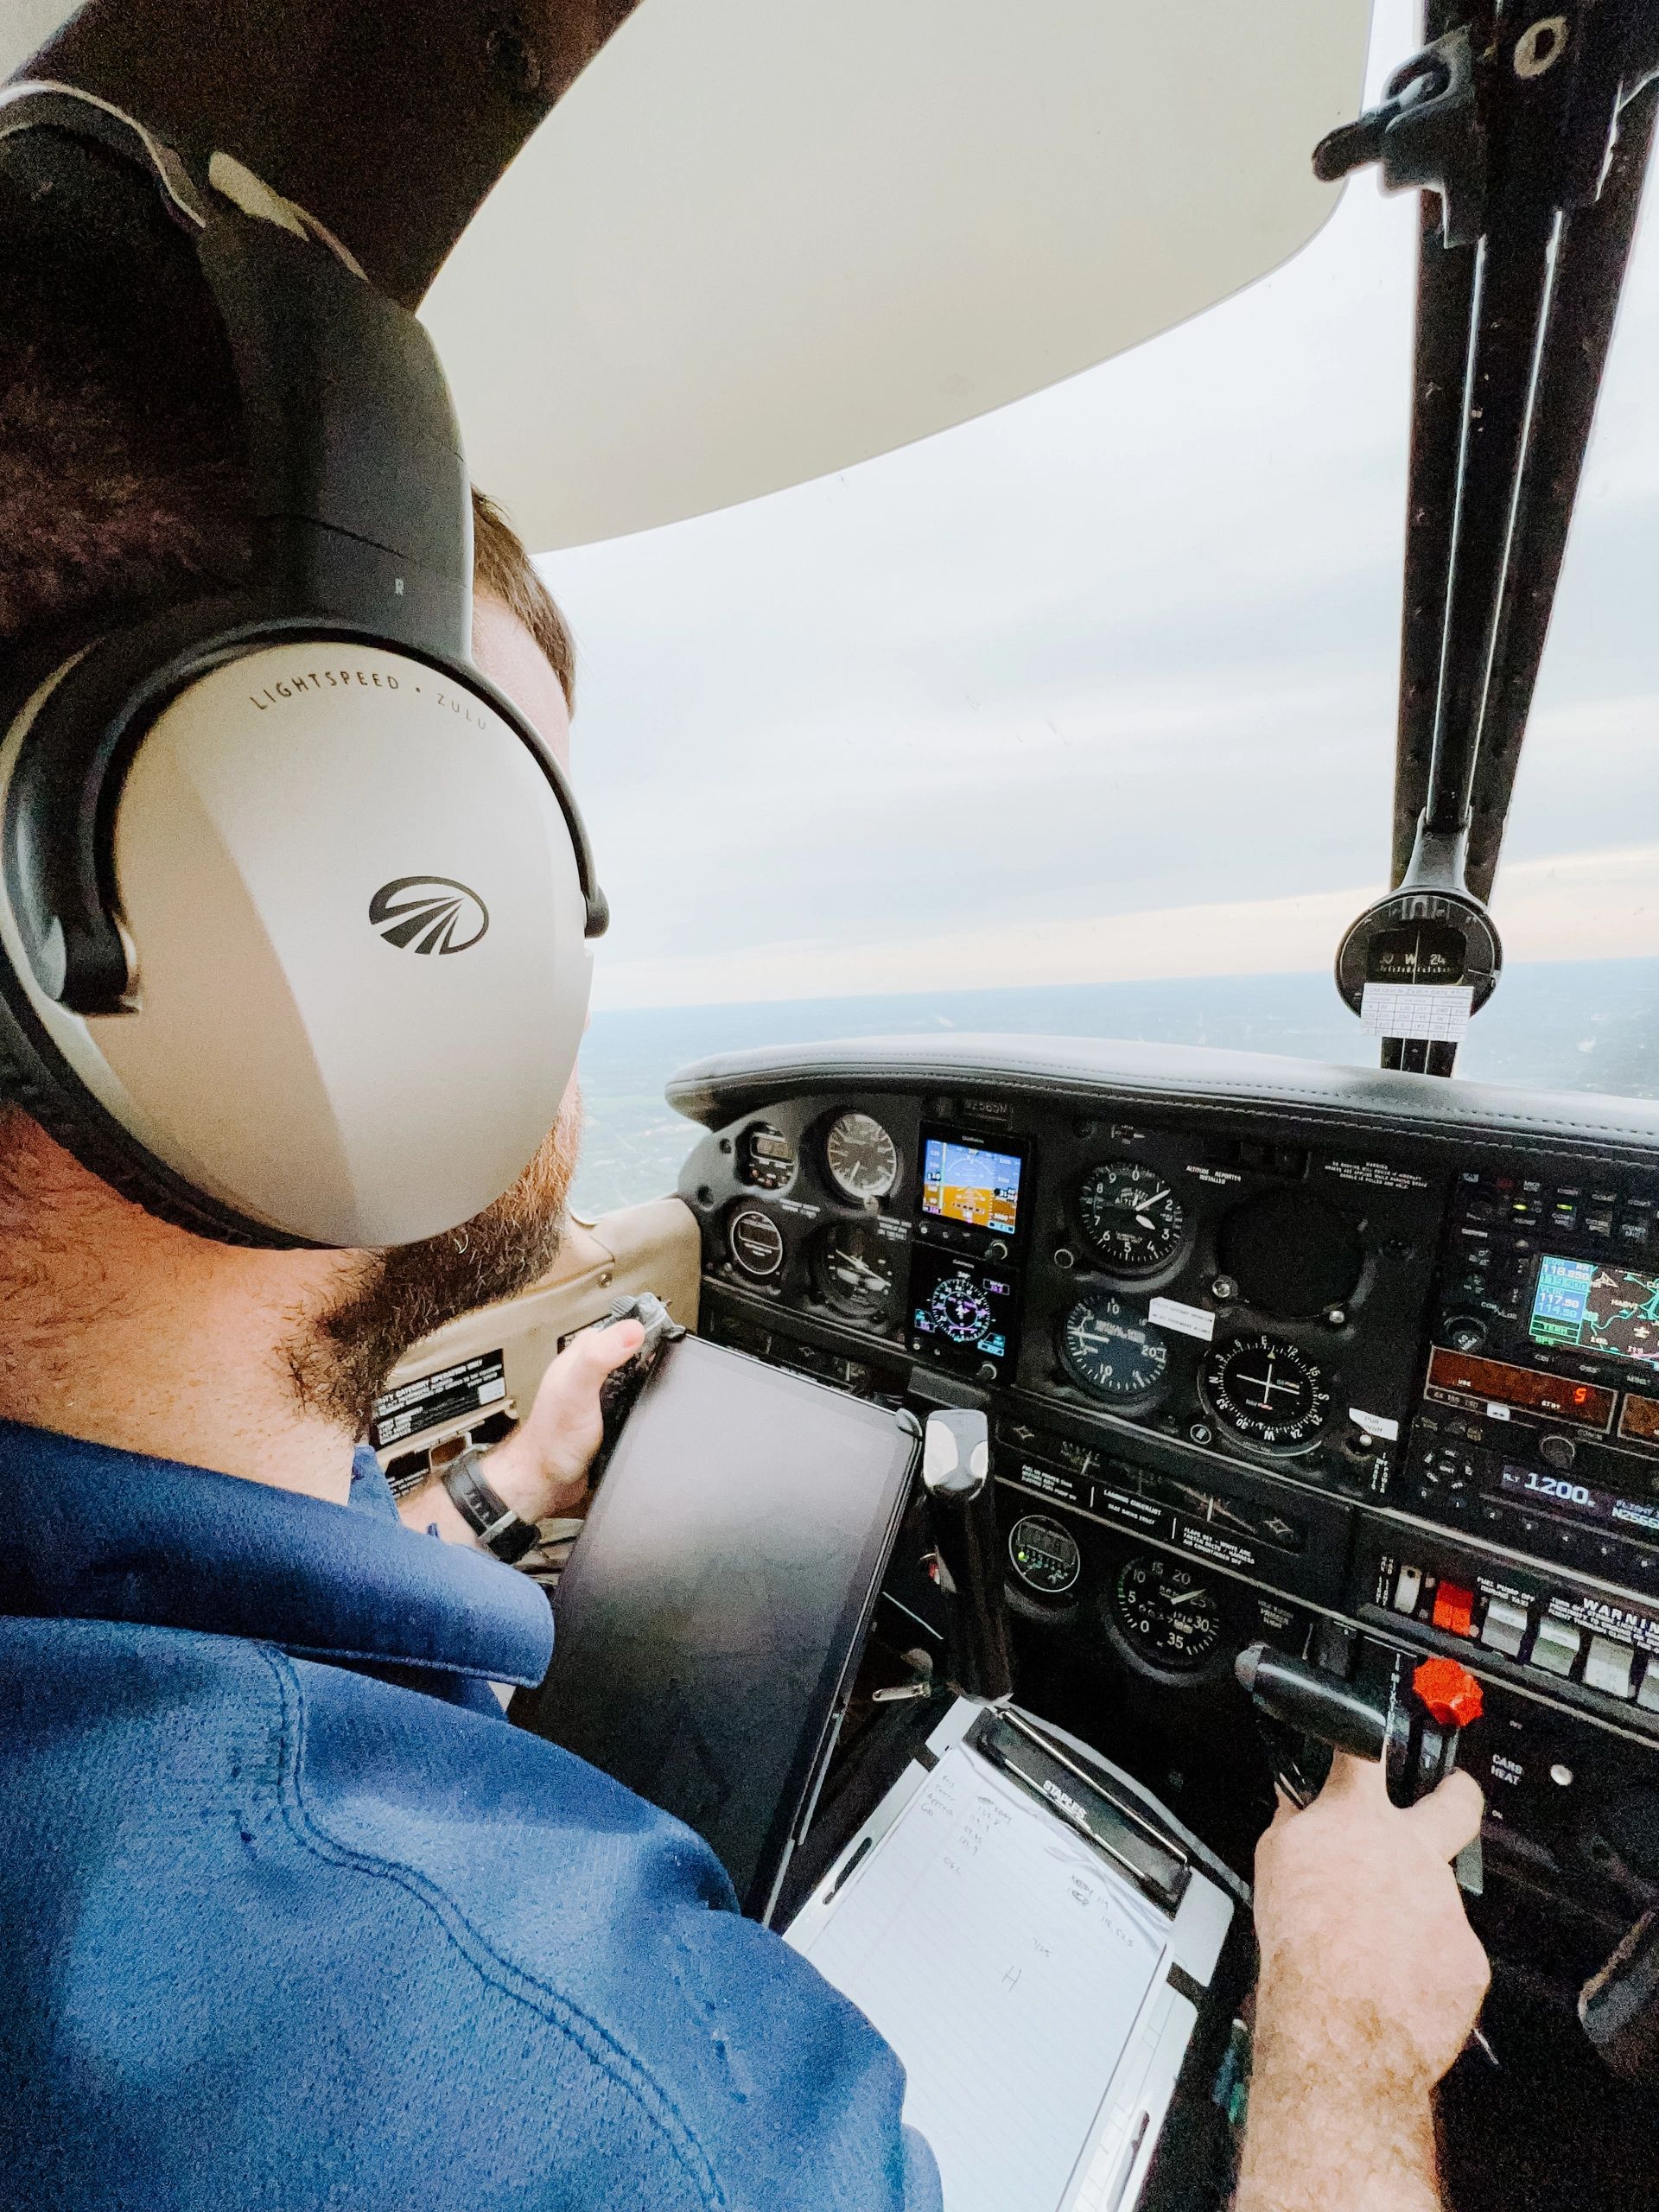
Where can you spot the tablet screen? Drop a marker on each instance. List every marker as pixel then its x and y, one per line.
pixel 711 1615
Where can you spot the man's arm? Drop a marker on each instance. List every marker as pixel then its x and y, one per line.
pixel 1371 1978
pixel 541 1470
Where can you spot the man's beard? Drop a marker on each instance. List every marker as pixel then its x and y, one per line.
pixel 339 1359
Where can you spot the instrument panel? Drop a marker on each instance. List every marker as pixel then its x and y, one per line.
pixel 1355 1374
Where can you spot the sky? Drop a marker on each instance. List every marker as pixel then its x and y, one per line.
pixel 1101 686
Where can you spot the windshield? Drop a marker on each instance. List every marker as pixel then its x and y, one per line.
pixel 1080 719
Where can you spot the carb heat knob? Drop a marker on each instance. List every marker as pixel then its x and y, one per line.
pixel 1448 1693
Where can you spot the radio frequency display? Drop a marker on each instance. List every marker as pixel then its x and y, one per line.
pixel 965 1182
pixel 1601 1308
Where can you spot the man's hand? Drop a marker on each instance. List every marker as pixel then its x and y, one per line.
pixel 1371 1978
pixel 541 1470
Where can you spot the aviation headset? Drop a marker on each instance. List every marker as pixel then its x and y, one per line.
pixel 295 908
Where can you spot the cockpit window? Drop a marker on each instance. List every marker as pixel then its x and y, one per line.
pixel 1080 718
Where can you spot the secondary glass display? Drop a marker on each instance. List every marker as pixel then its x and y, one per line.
pixel 961 1310
pixel 969 1182
pixel 1110 1347
pixel 1130 1215
pixel 1597 1306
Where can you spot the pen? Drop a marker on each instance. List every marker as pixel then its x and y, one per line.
pixel 858 1859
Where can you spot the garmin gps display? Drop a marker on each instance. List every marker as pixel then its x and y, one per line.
pixel 967 1182
pixel 1597 1306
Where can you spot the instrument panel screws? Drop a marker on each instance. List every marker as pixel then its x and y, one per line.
pixel 1223 1288
pixel 1065 1257
pixel 1336 1317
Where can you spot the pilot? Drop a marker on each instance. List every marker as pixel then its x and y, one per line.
pixel 289 1916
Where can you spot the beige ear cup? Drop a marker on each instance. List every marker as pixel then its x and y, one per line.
pixel 357 928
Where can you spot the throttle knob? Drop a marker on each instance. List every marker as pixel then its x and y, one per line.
pixel 1448 1692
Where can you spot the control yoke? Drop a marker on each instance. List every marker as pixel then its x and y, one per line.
pixel 957 1474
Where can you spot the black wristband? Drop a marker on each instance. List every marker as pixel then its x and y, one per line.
pixel 495 1524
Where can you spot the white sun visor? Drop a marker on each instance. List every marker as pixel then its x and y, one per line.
pixel 760 240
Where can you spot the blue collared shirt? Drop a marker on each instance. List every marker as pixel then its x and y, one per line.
pixel 291 1917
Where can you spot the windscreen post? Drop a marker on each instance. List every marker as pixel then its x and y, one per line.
pixel 1531 134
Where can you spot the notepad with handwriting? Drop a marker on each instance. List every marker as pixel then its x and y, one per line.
pixel 1007 1963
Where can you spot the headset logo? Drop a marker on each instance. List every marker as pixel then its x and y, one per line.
pixel 428 914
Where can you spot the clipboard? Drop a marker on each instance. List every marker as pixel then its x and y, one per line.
pixel 1041 1984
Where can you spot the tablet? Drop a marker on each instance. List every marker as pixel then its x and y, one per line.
pixel 709 1622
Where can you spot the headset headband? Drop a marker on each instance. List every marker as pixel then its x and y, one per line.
pixel 334 530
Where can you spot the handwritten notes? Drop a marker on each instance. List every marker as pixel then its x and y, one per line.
pixel 1006 1964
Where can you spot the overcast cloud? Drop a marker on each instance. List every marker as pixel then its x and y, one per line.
pixel 1128 649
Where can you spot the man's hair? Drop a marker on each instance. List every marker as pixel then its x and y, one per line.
pixel 122 478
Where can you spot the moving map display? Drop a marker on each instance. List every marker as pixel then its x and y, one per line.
pixel 1597 1305
pixel 969 1182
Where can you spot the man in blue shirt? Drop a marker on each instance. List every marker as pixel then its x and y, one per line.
pixel 289 1915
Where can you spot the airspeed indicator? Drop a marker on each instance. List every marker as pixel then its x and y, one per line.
pixel 862 1159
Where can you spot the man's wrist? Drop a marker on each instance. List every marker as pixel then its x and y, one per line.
pixel 1337 2119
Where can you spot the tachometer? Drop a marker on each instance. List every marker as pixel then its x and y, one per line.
pixel 1268 1391
pixel 854 1270
pixel 862 1159
pixel 1108 1346
pixel 1167 1618
pixel 1131 1216
pixel 1043 1556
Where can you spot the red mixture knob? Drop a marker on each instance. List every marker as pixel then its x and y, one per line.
pixel 1450 1692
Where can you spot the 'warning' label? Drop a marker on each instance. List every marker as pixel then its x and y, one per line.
pixel 432 1399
